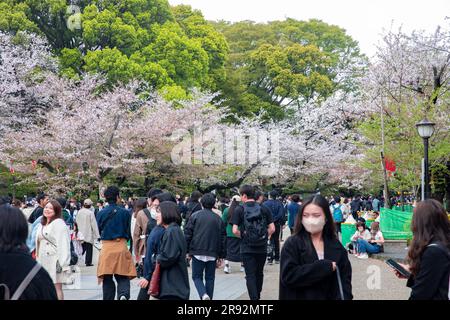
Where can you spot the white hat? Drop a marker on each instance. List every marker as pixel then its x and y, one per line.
pixel 88 202
pixel 236 198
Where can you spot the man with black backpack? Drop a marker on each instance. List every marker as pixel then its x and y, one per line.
pixel 253 223
pixel 278 215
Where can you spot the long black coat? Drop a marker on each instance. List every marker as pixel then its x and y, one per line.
pixel 304 277
pixel 15 266
pixel 172 257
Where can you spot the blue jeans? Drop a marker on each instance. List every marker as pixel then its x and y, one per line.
pixel 366 247
pixel 197 276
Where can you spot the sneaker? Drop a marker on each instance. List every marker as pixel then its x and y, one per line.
pixel 270 262
pixel 227 269
pixel 206 297
pixel 123 298
pixel 363 256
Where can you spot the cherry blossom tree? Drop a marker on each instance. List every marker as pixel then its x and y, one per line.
pixel 408 81
pixel 24 58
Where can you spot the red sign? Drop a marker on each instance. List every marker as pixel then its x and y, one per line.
pixel 390 164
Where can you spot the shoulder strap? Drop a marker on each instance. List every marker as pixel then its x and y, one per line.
pixel 26 282
pixel 42 234
pixel 147 213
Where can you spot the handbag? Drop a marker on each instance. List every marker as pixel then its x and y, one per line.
pixel 155 282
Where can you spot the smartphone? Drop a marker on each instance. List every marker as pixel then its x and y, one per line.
pixel 393 264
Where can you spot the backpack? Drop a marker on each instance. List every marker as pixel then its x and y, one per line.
pixel 23 285
pixel 192 210
pixel 151 222
pixel 337 214
pixel 448 255
pixel 255 225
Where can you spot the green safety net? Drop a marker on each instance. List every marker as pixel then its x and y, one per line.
pixel 395 224
pixel 406 207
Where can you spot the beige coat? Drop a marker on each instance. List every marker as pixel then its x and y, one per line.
pixel 140 230
pixel 87 224
pixel 55 250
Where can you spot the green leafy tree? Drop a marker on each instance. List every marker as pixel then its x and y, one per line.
pixel 287 63
pixel 173 49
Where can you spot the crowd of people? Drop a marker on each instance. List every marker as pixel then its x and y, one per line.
pixel 158 237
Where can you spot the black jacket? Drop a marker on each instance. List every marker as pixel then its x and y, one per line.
pixel 304 277
pixel 206 234
pixel 172 257
pixel 35 214
pixel 192 206
pixel 355 206
pixel 15 266
pixel 432 280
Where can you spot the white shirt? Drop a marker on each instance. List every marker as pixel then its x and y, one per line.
pixel 205 258
pixel 320 254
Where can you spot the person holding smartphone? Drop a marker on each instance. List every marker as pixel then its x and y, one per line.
pixel 429 253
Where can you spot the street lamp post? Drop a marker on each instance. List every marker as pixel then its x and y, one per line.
pixel 426 130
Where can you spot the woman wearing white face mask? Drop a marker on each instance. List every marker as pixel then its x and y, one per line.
pixel 313 256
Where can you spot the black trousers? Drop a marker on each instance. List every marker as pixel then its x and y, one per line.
pixel 355 215
pixel 254 273
pixel 88 248
pixel 338 227
pixel 143 293
pixel 109 287
pixel 275 242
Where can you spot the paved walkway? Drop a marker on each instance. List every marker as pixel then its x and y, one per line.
pixel 372 279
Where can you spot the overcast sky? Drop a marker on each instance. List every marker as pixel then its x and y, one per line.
pixel 364 20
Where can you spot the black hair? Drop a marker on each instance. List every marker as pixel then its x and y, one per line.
pixel 361 224
pixel 139 204
pixel 295 198
pixel 4 200
pixel 166 196
pixel 258 194
pixel 224 200
pixel 248 190
pixel 62 202
pixel 170 213
pixel 329 230
pixel 273 194
pixel 337 199
pixel 100 201
pixel 13 229
pixel 208 201
pixel 196 195
pixel 40 196
pixel 153 193
pixel 231 209
pixel 111 194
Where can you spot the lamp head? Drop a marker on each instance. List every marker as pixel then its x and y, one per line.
pixel 425 128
